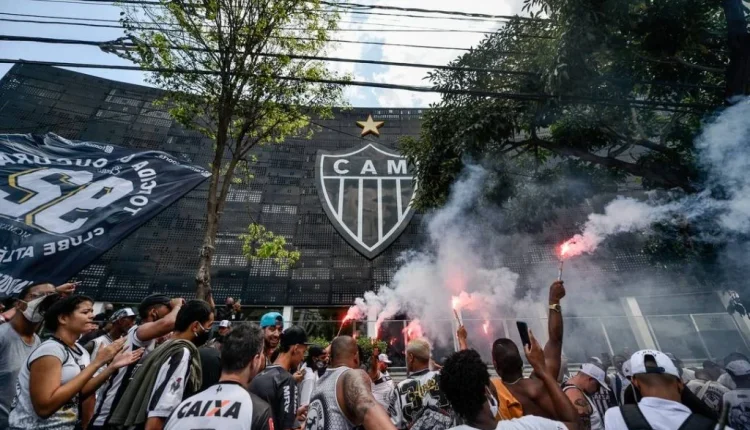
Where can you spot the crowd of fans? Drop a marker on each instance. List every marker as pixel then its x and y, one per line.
pixel 167 365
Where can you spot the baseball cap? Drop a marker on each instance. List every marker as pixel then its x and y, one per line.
pixel 224 324
pixel 271 319
pixel 595 372
pixel 122 313
pixel 384 359
pixel 294 335
pixel 738 367
pixel 664 364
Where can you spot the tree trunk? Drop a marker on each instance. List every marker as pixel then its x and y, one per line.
pixel 203 276
pixel 213 216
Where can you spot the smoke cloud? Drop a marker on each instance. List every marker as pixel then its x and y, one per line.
pixel 465 256
pixel 724 154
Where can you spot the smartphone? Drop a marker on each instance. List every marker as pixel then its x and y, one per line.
pixel 523 331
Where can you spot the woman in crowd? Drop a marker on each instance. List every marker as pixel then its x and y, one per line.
pixel 58 373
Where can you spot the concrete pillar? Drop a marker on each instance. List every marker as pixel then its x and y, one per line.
pixel 288 314
pixel 638 323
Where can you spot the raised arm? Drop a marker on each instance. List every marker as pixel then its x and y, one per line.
pixel 154 330
pixel 563 408
pixel 373 371
pixel 462 336
pixel 553 348
pixel 354 395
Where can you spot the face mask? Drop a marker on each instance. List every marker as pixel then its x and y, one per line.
pixel 493 403
pixel 320 365
pixel 201 338
pixel 30 313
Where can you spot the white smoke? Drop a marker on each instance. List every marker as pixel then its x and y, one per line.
pixel 454 263
pixel 463 255
pixel 724 153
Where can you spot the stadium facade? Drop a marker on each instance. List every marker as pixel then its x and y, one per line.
pixel 335 268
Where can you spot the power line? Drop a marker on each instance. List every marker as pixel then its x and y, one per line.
pixel 357 42
pixel 109 46
pixel 420 10
pixel 72 18
pixel 348 11
pixel 353 30
pixel 655 105
pixel 346 6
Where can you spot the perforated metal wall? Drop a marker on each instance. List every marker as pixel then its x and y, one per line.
pixel 162 255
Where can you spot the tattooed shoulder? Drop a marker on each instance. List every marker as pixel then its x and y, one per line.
pixel 357 393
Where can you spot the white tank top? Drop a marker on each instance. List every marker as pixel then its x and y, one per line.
pixel 597 423
pixel 324 412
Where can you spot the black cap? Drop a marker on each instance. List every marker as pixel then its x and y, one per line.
pixel 154 299
pixel 294 335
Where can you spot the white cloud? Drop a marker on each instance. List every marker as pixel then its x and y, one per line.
pixel 411 76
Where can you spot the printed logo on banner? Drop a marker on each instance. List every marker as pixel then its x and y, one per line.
pixel 367 193
pixel 63 203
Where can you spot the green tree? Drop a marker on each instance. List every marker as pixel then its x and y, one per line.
pixel 600 94
pixel 228 70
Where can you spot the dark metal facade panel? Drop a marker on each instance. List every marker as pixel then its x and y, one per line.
pixel 162 255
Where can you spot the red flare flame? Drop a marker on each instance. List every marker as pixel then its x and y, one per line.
pixel 564 248
pixel 486 327
pixel 413 330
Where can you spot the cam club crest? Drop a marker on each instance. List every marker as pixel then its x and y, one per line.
pixel 367 194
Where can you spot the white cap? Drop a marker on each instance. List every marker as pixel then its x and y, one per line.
pixel 384 359
pixel 224 324
pixel 122 313
pixel 738 367
pixel 595 372
pixel 664 364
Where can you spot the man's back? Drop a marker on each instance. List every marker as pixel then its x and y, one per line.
pixel 325 413
pixel 739 408
pixel 661 414
pixel 533 397
pixel 415 394
pixel 277 387
pixel 225 406
pixel 710 392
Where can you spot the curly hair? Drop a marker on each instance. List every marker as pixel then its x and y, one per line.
pixel 464 379
pixel 54 306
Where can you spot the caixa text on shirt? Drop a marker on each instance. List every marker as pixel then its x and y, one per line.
pixel 210 408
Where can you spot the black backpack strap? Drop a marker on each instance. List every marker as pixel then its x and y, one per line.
pixel 634 418
pixel 698 422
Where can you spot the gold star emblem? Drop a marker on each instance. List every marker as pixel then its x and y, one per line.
pixel 370 126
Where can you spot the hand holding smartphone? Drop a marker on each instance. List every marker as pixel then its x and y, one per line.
pixel 523 331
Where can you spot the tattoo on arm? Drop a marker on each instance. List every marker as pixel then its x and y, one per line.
pixel 357 394
pixel 584 413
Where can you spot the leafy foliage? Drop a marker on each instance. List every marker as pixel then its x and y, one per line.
pixel 228 72
pixel 261 243
pixel 601 95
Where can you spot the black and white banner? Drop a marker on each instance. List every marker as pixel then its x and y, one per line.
pixel 64 203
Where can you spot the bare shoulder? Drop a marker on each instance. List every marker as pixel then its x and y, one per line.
pixel 532 387
pixel 355 378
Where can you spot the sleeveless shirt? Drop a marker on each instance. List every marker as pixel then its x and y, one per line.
pixel 324 412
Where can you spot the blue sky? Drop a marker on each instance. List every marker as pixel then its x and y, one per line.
pixel 357 96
